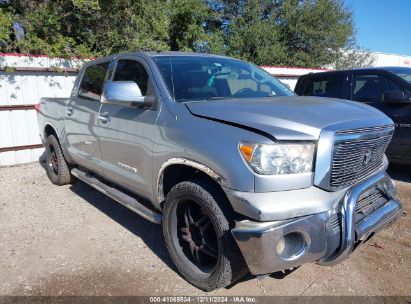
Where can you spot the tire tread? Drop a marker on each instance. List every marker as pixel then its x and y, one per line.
pixel 64 175
pixel 234 266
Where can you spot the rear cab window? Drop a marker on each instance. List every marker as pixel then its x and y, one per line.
pixel 92 82
pixel 326 86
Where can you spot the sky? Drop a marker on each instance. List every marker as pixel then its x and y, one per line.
pixel 383 25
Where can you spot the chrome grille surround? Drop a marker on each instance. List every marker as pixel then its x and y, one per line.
pixel 365 130
pixel 357 153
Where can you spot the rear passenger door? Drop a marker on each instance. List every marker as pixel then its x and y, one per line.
pixel 126 132
pixel 81 117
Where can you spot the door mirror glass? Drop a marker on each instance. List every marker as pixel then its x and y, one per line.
pixel 394 96
pixel 126 93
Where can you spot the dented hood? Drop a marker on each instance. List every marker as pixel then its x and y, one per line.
pixel 290 118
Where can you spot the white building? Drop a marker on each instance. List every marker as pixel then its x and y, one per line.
pixel 383 59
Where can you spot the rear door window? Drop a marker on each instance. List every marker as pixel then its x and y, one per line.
pixel 92 82
pixel 326 86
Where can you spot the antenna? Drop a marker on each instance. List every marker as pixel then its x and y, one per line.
pixel 172 77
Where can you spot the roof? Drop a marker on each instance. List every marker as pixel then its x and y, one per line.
pixel 370 69
pixel 175 53
pixel 157 54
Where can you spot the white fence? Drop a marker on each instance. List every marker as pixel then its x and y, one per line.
pixel 25 79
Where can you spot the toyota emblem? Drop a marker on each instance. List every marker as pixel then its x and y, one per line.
pixel 367 156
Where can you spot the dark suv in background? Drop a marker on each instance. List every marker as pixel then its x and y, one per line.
pixel 386 88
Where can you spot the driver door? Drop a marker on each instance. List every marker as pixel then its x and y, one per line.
pixel 126 132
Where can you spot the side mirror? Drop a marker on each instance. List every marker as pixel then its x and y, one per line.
pixel 394 96
pixel 125 93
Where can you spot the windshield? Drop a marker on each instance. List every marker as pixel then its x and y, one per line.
pixel 403 73
pixel 206 78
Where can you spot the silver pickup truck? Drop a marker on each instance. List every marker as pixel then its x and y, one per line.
pixel 243 175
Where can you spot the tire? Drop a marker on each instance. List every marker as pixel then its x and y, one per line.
pixel 204 251
pixel 58 170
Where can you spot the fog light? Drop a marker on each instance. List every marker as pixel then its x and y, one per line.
pixel 291 246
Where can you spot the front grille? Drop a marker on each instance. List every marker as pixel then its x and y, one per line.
pixel 354 159
pixel 369 202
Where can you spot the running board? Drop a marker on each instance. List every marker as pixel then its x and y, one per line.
pixel 121 197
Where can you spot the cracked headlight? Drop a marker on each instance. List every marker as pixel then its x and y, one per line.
pixel 279 158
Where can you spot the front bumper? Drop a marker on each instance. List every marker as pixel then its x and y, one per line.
pixel 326 237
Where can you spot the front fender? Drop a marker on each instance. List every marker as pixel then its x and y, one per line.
pixel 206 145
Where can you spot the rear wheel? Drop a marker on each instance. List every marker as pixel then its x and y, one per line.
pixel 198 237
pixel 58 170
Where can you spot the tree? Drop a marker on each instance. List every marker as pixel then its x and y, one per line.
pixel 254 36
pixel 352 57
pixel 313 31
pixel 190 27
pixel 6 31
pixel 309 33
pixel 90 27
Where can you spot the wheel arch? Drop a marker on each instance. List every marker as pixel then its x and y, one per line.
pixel 176 170
pixel 50 129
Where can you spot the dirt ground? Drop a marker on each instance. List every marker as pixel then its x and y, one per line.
pixel 73 240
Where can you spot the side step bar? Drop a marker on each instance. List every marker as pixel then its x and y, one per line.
pixel 124 199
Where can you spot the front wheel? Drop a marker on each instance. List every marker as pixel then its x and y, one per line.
pixel 197 235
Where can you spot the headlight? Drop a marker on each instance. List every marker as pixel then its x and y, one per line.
pixel 279 158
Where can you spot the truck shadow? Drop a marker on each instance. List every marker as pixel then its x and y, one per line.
pixel 279 275
pixel 149 233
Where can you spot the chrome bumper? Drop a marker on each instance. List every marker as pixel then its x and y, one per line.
pixel 323 238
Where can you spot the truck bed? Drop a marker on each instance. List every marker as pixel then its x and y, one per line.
pixel 52 113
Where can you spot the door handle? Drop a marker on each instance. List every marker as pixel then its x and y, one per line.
pixel 69 111
pixel 103 117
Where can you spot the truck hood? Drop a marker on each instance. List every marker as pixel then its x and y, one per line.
pixel 290 117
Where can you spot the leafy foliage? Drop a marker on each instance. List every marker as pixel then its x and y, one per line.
pixel 353 57
pixel 308 33
pixel 6 26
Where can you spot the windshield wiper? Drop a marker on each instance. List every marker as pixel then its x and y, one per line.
pixel 219 97
pixel 206 99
